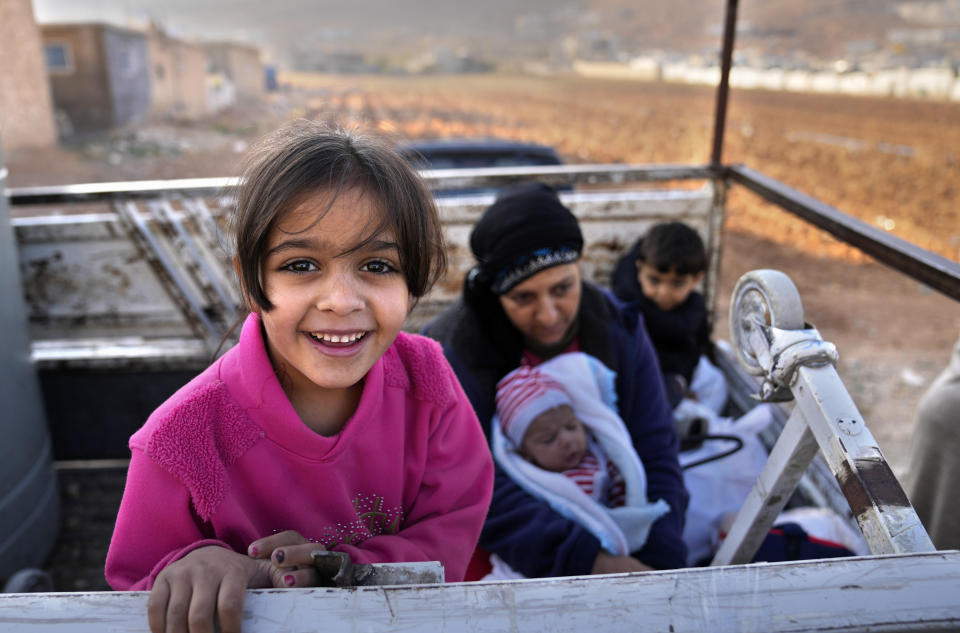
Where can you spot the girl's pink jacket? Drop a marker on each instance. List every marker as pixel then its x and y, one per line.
pixel 226 460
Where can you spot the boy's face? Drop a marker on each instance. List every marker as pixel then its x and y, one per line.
pixel 555 440
pixel 667 290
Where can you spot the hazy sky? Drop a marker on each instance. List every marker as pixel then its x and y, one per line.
pixel 196 17
pixel 278 22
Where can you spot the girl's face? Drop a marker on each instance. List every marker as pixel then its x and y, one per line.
pixel 555 440
pixel 544 306
pixel 336 310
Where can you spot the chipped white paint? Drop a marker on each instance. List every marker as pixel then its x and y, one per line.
pixel 904 593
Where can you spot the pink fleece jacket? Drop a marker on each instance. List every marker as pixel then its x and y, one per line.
pixel 226 460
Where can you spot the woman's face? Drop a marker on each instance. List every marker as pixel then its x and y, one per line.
pixel 544 306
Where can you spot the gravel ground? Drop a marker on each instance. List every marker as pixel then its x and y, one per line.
pixel 89 498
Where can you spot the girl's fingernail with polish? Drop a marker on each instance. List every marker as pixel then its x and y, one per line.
pixel 253 550
pixel 288 580
pixel 278 555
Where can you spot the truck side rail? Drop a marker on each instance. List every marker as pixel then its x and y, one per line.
pixel 115 268
pixel 592 174
pixel 909 259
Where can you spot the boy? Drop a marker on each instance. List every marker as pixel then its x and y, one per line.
pixel 658 278
pixel 556 433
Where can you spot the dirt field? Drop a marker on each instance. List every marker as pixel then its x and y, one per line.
pixel 891 163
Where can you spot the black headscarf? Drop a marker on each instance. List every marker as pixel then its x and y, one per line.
pixel 526 230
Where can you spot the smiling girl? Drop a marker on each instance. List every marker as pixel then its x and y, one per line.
pixel 325 426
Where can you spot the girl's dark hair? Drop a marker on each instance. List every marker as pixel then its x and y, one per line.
pixel 673 246
pixel 304 158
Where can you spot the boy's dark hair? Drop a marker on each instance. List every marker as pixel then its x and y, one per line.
pixel 673 246
pixel 304 158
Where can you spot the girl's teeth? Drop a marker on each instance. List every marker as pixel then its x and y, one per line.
pixel 336 338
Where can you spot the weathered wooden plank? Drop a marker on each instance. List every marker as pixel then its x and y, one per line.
pixel 915 592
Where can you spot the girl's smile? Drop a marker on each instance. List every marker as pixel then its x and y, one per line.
pixel 334 277
pixel 337 344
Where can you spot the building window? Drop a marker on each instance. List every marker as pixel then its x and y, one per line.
pixel 59 58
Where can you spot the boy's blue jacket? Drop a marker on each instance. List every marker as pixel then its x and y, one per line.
pixel 526 532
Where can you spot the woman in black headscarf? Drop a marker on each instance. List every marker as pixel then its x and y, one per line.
pixel 524 302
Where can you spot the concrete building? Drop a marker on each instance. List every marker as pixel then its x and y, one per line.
pixel 178 73
pixel 238 64
pixel 26 109
pixel 99 73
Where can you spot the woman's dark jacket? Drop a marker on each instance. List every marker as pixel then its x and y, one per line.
pixel 525 531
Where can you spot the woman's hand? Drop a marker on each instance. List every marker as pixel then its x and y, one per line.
pixel 288 554
pixel 610 564
pixel 209 581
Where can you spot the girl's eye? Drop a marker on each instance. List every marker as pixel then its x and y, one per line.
pixel 379 267
pixel 299 266
pixel 520 300
pixel 559 291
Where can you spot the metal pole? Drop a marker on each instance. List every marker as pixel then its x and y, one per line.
pixel 723 90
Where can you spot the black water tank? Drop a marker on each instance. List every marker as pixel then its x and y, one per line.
pixel 29 500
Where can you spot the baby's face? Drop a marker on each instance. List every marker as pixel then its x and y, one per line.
pixel 667 290
pixel 555 440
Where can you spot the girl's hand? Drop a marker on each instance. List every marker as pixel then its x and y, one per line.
pixel 289 556
pixel 209 581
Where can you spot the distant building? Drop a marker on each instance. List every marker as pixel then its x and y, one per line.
pixel 178 72
pixel 99 73
pixel 238 64
pixel 341 63
pixel 26 109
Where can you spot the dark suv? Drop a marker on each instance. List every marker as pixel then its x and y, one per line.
pixel 471 153
pixel 476 153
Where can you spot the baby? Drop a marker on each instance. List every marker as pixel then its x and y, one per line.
pixel 556 439
pixel 558 435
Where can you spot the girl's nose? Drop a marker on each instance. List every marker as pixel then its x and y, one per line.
pixel 339 294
